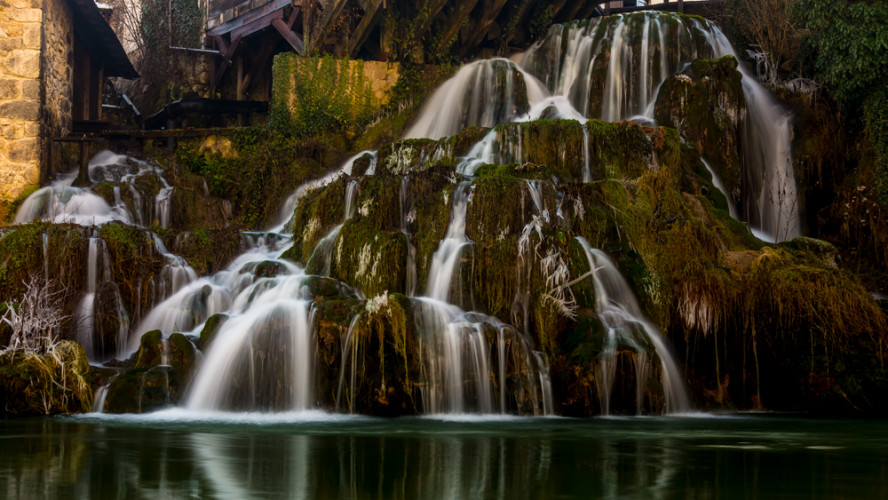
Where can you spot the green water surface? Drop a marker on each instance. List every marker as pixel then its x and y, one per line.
pixel 318 456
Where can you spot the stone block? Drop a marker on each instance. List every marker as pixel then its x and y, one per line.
pixel 11 43
pixel 31 129
pixel 24 63
pixel 10 89
pixel 31 36
pixel 13 132
pixel 31 89
pixel 26 15
pixel 24 110
pixel 24 150
pixel 31 172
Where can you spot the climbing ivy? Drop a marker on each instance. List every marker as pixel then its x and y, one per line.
pixel 319 94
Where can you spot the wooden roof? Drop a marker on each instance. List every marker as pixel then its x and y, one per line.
pixel 90 26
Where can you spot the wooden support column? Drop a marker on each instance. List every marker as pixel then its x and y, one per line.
pixel 291 38
pixel 681 6
pixel 240 78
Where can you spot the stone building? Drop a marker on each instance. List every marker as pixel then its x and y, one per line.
pixel 54 56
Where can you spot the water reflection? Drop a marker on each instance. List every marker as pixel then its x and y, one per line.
pixel 420 458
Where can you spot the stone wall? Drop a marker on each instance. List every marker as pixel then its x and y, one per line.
pixel 20 105
pixel 36 85
pixel 58 76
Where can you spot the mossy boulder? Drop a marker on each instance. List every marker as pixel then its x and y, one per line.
pixel 316 213
pixel 371 261
pixel 210 329
pixel 159 377
pixel 45 384
pixel 706 104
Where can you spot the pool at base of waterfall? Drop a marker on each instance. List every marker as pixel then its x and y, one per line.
pixel 318 455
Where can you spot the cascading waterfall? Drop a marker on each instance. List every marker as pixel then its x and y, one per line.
pixel 446 260
pixel 407 218
pixel 84 314
pixel 717 182
pixel 626 327
pixel 263 356
pixel 483 93
pixel 636 53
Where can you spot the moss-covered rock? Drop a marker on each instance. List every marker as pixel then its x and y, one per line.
pixel 371 261
pixel 159 377
pixel 45 384
pixel 706 104
pixel 210 329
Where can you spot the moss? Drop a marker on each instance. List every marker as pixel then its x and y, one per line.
pixel 150 350
pixel 46 384
pixel 143 390
pixel 22 255
pixel 206 251
pixel 315 215
pixel 369 260
pixel 183 355
pixel 383 354
pixel 265 167
pixel 210 329
pixel 134 264
pixel 706 104
pixel 8 211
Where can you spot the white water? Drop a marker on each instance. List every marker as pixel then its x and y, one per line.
pixel 446 260
pixel 466 356
pixel 717 182
pixel 627 328
pixel 637 51
pixel 483 93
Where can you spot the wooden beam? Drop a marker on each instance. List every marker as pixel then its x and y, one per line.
pixel 482 26
pixel 291 38
pixel 248 17
pixel 319 31
pixel 226 61
pixel 455 24
pixel 371 18
pixel 259 63
pixel 257 24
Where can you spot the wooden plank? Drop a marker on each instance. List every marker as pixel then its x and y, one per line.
pixel 319 31
pixel 226 61
pixel 258 24
pixel 247 17
pixel 289 36
pixel 372 16
pixel 456 23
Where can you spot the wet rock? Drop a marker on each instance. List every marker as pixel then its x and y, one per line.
pixel 45 384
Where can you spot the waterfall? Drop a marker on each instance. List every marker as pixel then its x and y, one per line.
pixel 627 327
pixel 636 53
pixel 483 93
pixel 85 313
pixel 445 261
pixel 407 218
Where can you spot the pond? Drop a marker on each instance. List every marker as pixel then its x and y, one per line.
pixel 176 454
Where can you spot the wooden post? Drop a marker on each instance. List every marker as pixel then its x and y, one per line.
pixel 607 7
pixel 240 78
pixel 681 6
